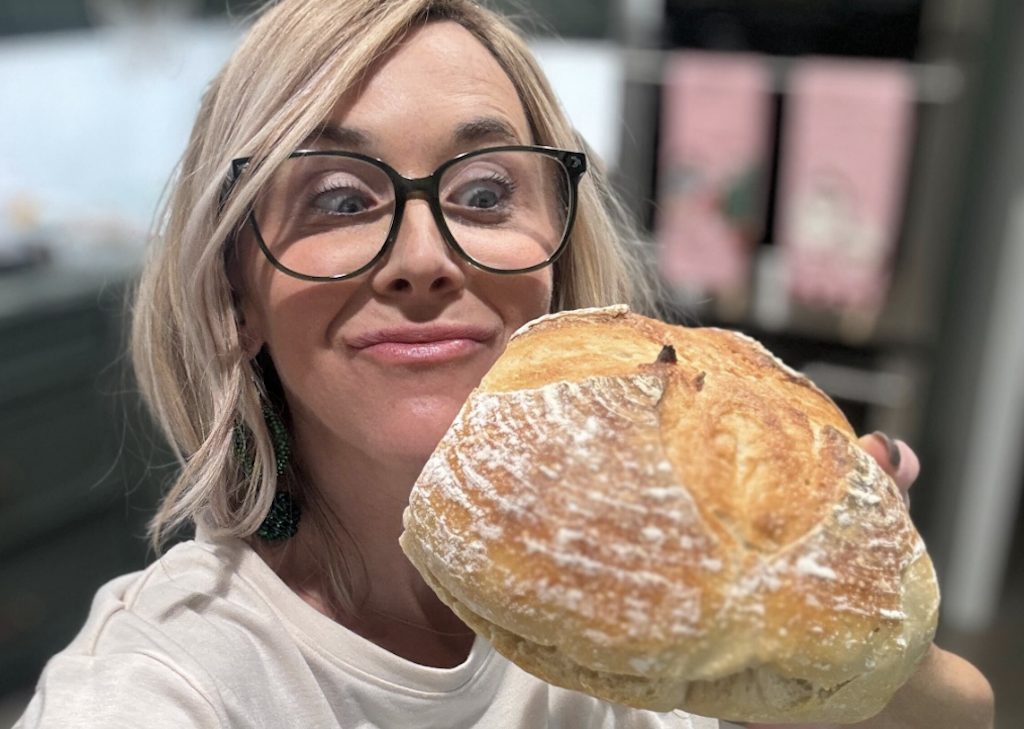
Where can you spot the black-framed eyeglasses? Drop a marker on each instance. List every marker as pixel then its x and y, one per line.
pixel 332 215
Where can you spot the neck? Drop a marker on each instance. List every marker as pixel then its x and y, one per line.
pixel 367 497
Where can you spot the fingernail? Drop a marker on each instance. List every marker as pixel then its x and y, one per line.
pixel 894 450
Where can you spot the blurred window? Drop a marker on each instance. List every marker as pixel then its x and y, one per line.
pixel 570 18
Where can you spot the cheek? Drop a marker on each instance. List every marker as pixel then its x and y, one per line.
pixel 520 298
pixel 300 320
pixel 303 322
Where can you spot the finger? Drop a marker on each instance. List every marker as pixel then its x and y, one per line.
pixel 884 450
pixel 896 458
pixel 910 467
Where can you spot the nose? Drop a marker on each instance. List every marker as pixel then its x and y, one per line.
pixel 420 264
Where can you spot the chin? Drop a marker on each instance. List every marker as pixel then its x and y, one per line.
pixel 415 428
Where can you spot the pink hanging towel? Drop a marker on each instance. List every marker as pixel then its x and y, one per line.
pixel 846 146
pixel 713 159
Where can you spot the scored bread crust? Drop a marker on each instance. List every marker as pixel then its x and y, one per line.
pixel 702 534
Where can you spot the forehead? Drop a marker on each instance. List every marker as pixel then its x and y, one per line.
pixel 438 78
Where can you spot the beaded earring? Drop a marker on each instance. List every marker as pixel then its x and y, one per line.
pixel 282 521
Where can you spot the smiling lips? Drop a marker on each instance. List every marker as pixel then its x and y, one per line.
pixel 425 343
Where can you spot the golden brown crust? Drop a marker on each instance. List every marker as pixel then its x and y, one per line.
pixel 703 533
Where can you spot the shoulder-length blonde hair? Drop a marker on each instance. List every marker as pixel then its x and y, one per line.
pixel 281 82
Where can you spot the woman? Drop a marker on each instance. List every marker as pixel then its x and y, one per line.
pixel 307 329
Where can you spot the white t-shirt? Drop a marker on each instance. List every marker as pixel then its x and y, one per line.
pixel 209 636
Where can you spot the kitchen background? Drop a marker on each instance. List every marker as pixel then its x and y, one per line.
pixel 842 179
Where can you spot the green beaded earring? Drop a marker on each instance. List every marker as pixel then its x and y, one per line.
pixel 282 521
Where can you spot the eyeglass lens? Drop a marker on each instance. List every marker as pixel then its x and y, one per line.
pixel 329 215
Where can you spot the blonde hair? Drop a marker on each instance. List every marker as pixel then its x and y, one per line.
pixel 280 83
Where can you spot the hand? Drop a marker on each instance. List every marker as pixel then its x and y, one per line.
pixel 946 691
pixel 895 458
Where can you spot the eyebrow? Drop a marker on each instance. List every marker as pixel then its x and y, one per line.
pixel 474 131
pixel 484 129
pixel 340 136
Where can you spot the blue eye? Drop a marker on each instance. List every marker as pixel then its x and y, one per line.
pixel 485 194
pixel 483 198
pixel 342 202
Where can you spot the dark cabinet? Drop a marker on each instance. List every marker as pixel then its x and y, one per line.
pixel 75 448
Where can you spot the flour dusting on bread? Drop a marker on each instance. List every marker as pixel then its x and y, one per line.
pixel 669 517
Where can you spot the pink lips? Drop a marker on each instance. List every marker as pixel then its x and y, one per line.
pixel 422 343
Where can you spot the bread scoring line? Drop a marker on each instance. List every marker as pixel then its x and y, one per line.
pixel 616 310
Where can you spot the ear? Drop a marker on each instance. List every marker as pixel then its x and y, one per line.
pixel 247 316
pixel 250 331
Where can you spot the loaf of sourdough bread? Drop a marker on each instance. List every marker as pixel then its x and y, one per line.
pixel 669 517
